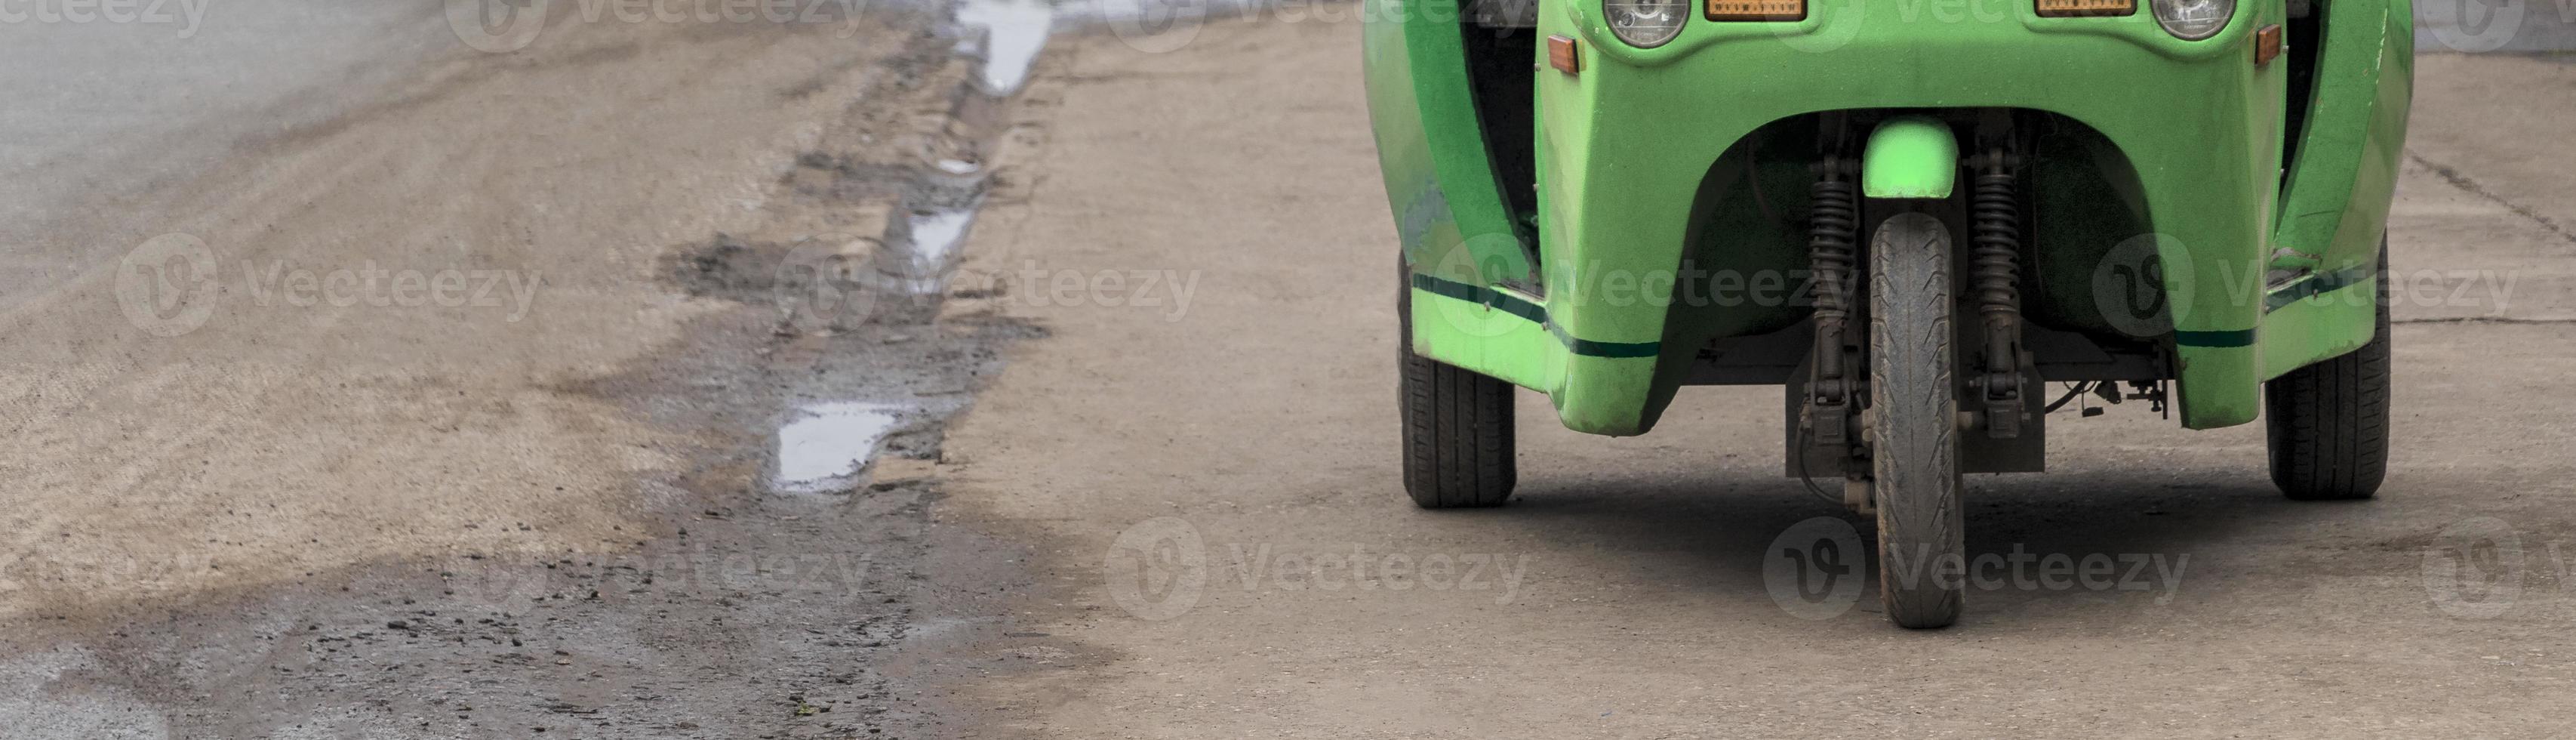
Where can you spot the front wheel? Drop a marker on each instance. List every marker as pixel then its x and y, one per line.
pixel 1458 450
pixel 2327 423
pixel 1913 422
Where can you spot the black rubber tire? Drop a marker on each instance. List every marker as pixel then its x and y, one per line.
pixel 1458 450
pixel 1913 422
pixel 2327 423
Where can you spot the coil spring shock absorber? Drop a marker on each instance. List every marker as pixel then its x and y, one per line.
pixel 1996 279
pixel 1834 223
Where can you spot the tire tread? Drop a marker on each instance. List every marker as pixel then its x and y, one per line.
pixel 1458 444
pixel 1913 411
pixel 2326 425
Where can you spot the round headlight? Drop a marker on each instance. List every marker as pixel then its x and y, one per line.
pixel 2193 20
pixel 1645 23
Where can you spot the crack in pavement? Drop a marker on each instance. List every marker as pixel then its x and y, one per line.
pixel 2473 187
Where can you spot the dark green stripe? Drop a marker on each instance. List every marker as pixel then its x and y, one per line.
pixel 2319 283
pixel 2236 338
pixel 1484 296
pixel 1591 348
pixel 1490 297
pixel 1516 306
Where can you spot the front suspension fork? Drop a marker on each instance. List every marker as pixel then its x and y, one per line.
pixel 1995 279
pixel 1832 254
pixel 1993 381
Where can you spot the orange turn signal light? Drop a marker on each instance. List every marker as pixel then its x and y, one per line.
pixel 2267 44
pixel 2086 8
pixel 1757 10
pixel 1564 55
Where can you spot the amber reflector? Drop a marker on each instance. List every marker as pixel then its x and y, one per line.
pixel 1757 10
pixel 2086 8
pixel 2267 44
pixel 1562 54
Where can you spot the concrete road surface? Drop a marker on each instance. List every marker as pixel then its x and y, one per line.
pixel 1224 549
pixel 105 105
pixel 365 384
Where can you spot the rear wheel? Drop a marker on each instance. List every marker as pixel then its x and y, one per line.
pixel 1913 422
pixel 1458 450
pixel 2327 423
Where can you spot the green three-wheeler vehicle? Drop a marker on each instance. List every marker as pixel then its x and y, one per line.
pixel 1914 215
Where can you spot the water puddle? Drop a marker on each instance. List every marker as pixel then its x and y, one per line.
pixel 932 237
pixel 1013 32
pixel 822 448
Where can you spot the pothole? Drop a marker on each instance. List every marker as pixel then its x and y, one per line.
pixel 823 447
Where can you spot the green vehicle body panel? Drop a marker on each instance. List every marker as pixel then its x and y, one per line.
pixel 1626 148
pixel 1910 157
pixel 1448 204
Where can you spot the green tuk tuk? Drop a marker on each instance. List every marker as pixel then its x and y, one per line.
pixel 1913 215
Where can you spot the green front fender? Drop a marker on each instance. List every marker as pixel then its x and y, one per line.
pixel 1910 157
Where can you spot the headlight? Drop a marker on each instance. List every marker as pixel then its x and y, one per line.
pixel 1645 24
pixel 2193 20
